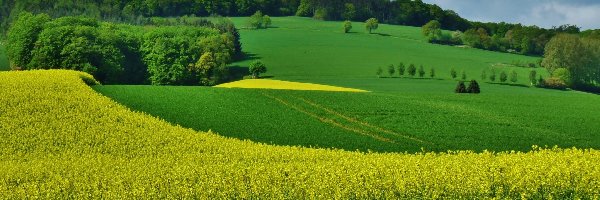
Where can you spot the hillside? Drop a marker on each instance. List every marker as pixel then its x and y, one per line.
pixel 308 50
pixel 83 145
pixel 397 115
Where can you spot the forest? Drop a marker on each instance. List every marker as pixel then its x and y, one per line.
pixel 119 53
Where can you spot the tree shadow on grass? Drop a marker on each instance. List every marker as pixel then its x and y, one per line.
pixel 248 56
pixel 382 34
pixel 509 84
pixel 237 73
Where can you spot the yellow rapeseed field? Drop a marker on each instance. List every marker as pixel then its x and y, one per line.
pixel 60 139
pixel 284 85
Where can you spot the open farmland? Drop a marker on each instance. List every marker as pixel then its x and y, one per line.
pixel 308 50
pixel 421 115
pixel 4 65
pixel 399 114
pixel 125 154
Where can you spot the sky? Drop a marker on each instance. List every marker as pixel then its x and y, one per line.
pixel 543 13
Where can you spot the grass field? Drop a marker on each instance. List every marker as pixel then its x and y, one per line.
pixel 399 114
pixel 59 139
pixel 428 116
pixel 4 65
pixel 307 50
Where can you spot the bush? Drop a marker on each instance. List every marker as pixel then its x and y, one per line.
pixel 347 26
pixel 493 75
pixel 432 73
pixel 453 73
pixel 401 69
pixel 460 88
pixel 532 79
pixel 391 70
pixel 503 77
pixel 564 75
pixel 266 21
pixel 463 75
pixel 379 72
pixel 513 76
pixel 555 83
pixel 484 75
pixel 412 70
pixel 473 87
pixel 256 20
pixel 257 68
pixel 320 14
pixel 421 71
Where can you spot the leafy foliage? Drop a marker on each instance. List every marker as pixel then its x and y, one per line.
pixel 347 26
pixel 256 68
pixel 412 70
pixel 460 87
pixel 473 87
pixel 503 76
pixel 371 24
pixel 401 69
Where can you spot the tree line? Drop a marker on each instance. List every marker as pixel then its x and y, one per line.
pixel 121 53
pixel 403 12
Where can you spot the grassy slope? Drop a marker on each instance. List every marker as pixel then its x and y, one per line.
pixel 440 119
pixel 502 118
pixel 68 142
pixel 3 59
pixel 316 51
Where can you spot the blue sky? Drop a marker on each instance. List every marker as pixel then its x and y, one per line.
pixel 543 13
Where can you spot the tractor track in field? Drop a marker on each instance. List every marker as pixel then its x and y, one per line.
pixel 356 121
pixel 329 121
pixel 360 127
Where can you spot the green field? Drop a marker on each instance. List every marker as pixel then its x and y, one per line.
pixel 400 114
pixel 3 59
pixel 307 50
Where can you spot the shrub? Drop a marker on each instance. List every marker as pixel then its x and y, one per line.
pixel 266 21
pixel 256 20
pixel 421 71
pixel 432 73
pixel 503 77
pixel 379 72
pixel 347 26
pixel 564 75
pixel 256 68
pixel 555 83
pixel 453 73
pixel 460 88
pixel 493 75
pixel 473 87
pixel 484 75
pixel 320 14
pixel 412 70
pixel 463 75
pixel 532 75
pixel 513 76
pixel 401 69
pixel 391 70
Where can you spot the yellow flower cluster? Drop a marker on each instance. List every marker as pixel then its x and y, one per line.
pixel 284 85
pixel 59 139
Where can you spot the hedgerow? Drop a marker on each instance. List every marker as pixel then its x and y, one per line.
pixel 60 139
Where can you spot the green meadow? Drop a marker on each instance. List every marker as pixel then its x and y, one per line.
pixel 400 114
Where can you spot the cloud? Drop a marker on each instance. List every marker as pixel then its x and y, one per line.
pixel 543 13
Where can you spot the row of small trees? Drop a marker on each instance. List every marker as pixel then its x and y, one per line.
pixel 402 70
pixel 371 24
pixel 502 77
